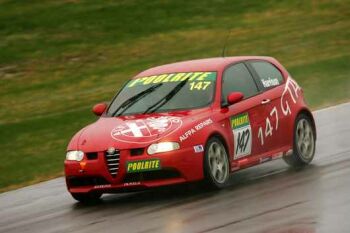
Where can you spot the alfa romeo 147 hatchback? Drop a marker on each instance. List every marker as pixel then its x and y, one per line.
pixel 191 121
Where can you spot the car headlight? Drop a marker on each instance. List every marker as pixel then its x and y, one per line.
pixel 75 155
pixel 162 147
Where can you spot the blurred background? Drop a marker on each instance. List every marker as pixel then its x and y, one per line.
pixel 59 58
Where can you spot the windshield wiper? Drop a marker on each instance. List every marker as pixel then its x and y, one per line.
pixel 131 101
pixel 166 99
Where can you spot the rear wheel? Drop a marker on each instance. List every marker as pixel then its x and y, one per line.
pixel 216 164
pixel 304 142
pixel 87 197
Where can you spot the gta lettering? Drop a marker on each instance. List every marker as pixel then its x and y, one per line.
pixel 175 77
pixel 195 129
pixel 291 89
pixel 143 165
pixel 242 141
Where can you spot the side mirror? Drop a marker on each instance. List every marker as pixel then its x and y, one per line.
pixel 99 109
pixel 234 97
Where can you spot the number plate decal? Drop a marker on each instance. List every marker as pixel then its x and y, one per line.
pixel 242 134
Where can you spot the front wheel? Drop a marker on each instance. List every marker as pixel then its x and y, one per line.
pixel 216 164
pixel 304 142
pixel 87 197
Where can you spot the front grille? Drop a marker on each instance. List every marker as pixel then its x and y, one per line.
pixel 112 160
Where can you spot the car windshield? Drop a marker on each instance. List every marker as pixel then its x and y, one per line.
pixel 165 92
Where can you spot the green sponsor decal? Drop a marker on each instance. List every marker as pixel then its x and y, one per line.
pixel 143 165
pixel 174 77
pixel 240 121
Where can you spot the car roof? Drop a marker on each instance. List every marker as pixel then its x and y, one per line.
pixel 207 64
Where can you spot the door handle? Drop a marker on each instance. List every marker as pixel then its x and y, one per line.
pixel 265 101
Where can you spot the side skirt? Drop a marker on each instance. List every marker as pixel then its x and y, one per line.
pixel 250 161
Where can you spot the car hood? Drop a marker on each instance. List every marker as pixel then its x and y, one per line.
pixel 135 131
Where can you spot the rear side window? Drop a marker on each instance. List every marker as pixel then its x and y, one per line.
pixel 268 74
pixel 238 79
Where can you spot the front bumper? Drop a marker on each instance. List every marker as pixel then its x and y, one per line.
pixel 92 175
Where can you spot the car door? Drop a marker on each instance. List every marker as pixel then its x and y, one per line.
pixel 246 116
pixel 270 81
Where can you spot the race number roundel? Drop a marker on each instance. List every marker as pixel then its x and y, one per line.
pixel 242 134
pixel 146 130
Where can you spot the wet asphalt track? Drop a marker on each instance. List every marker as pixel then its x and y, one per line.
pixel 269 198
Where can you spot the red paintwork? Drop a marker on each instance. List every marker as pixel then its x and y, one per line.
pixel 99 109
pixel 97 137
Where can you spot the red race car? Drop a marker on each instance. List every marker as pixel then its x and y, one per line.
pixel 190 121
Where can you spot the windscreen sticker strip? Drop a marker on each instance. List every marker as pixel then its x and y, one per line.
pixel 174 77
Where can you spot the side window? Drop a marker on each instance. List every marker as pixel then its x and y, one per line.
pixel 269 75
pixel 238 78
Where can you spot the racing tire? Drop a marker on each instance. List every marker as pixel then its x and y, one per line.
pixel 304 142
pixel 216 164
pixel 87 197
